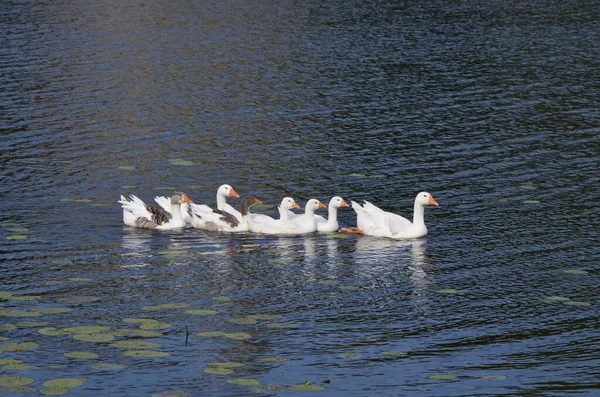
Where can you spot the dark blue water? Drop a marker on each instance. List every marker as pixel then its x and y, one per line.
pixel 493 107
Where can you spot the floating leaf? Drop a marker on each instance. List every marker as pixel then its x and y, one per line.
pixel 348 287
pixel 442 377
pixel 221 299
pixel 13 381
pixel 54 391
pixel 53 310
pixel 51 331
pixel 109 366
pixel 5 294
pixel 242 320
pixel 171 254
pixel 81 355
pixel 83 279
pixel 171 393
pixel 18 347
pixel 86 329
pixel 145 353
pixel 31 324
pixel 577 303
pixel 165 188
pixel 181 162
pixel 7 327
pixel 243 382
pixel 9 361
pixel 395 354
pixel 16 237
pixel 264 316
pixel 339 235
pixel 556 298
pixel 237 335
pixel 531 201
pixel 211 334
pixel 272 359
pixel 227 364
pixel 576 271
pixel 126 167
pixel 23 297
pixel 80 299
pixel 19 313
pixel 282 325
pixel 18 229
pixel 166 306
pixel 529 187
pixel 67 383
pixel 149 325
pixel 137 333
pixel 307 386
pixel 95 338
pixel 129 186
pixel 18 367
pixel 448 291
pixel 201 312
pixel 217 371
pixel 135 344
pixel 20 389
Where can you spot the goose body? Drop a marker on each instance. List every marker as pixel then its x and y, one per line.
pixel 138 214
pixel 287 203
pixel 331 223
pixel 373 221
pixel 224 221
pixel 301 224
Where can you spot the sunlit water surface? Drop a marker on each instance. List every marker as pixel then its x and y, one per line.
pixel 490 106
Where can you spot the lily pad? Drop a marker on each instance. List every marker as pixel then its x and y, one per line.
pixel 242 320
pixel 339 235
pixel 442 377
pixel 211 334
pixel 5 294
pixel 529 187
pixel 217 371
pixel 153 325
pixel 227 364
pixel 271 359
pixel 166 306
pixel 23 297
pixel 80 299
pixel 201 312
pixel 67 383
pixel 86 329
pixel 145 353
pixel 16 237
pixel 531 201
pixel 448 291
pixel 181 162
pixel 18 347
pixel 243 382
pixel 18 229
pixel 171 393
pixel 264 316
pixel 83 279
pixel 20 389
pixel 556 298
pixel 109 366
pixel 171 254
pixel 54 391
pixel 237 335
pixel 54 310
pixel 137 333
pixel 7 327
pixel 126 167
pixel 165 188
pixel 18 367
pixel 221 299
pixel 135 344
pixel 19 313
pixel 307 386
pixel 576 271
pixel 9 361
pixel 14 381
pixel 51 331
pixel 86 355
pixel 577 303
pixel 94 338
pixel 31 324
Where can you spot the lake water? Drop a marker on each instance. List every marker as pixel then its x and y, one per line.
pixel 491 106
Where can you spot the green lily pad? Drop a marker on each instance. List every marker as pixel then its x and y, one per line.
pixel 126 167
pixel 576 271
pixel 19 313
pixel 18 367
pixel 211 334
pixel 23 297
pixel 153 325
pixel 80 299
pixel 242 320
pixel 264 316
pixel 20 389
pixel 31 324
pixel 529 187
pixel 448 291
pixel 556 298
pixel 109 366
pixel 18 347
pixel 217 371
pixel 201 312
pixel 171 254
pixel 67 383
pixel 94 338
pixel 51 331
pixel 83 279
pixel 54 391
pixel 395 354
pixel 237 335
pixel 442 377
pixel 306 387
pixel 531 201
pixel 5 294
pixel 145 353
pixel 166 306
pixel 135 344
pixel 86 329
pixel 181 162
pixel 7 327
pixel 282 325
pixel 13 381
pixel 271 359
pixel 18 229
pixel 339 235
pixel 54 310
pixel 227 364
pixel 243 382
pixel 348 287
pixel 3 338
pixel 221 299
pixel 9 361
pixel 577 303
pixel 171 393
pixel 165 188
pixel 16 237
pixel 81 355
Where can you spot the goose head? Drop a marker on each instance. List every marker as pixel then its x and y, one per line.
pixel 288 203
pixel 313 205
pixel 247 202
pixel 227 190
pixel 425 198
pixel 179 198
pixel 337 202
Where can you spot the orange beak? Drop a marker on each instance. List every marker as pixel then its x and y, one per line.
pixel 432 201
pixel 257 201
pixel 233 193
pixel 295 205
pixel 321 205
pixel 186 199
pixel 344 203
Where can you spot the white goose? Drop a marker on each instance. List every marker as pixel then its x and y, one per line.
pixel 287 203
pixel 331 223
pixel 223 192
pixel 223 221
pixel 301 224
pixel 373 221
pixel 138 214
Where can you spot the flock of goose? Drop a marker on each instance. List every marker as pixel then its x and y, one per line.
pixel 179 211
